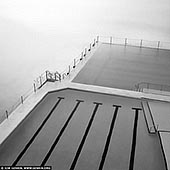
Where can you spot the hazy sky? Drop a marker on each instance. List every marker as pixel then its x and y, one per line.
pixel 121 17
pixel 36 35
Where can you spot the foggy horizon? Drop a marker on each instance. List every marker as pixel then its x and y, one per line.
pixel 38 35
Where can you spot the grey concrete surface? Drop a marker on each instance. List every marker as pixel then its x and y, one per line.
pixel 148 148
pixel 148 117
pixel 95 141
pixel 165 139
pixel 47 135
pixel 161 114
pixel 119 151
pixel 123 67
pixel 93 146
pixel 11 147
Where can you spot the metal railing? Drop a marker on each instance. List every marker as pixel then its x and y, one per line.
pixel 48 76
pixel 134 42
pixel 45 77
pixel 146 85
pixel 20 101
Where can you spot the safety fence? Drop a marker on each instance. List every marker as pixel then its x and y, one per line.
pixel 134 42
pixel 20 101
pixel 48 76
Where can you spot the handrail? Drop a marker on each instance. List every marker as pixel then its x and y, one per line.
pixel 134 42
pixel 48 76
pixel 146 85
pixel 16 104
pixel 45 77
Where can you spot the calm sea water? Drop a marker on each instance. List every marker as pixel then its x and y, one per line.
pixel 36 36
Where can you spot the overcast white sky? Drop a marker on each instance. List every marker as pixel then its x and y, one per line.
pixel 46 34
pixel 122 17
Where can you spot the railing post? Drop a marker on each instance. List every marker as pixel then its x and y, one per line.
pixel 97 39
pixel 81 56
pixel 6 114
pixel 34 87
pixel 85 51
pixel 46 75
pixel 125 41
pixel 60 77
pixel 110 40
pixel 22 100
pixel 74 65
pixel 68 70
pixel 141 43
pixel 55 76
pixel 158 44
pixel 90 47
pixel 94 42
pixel 40 81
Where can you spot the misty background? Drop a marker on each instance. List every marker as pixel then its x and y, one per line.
pixel 39 35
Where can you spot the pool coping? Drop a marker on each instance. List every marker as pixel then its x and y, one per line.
pixel 18 115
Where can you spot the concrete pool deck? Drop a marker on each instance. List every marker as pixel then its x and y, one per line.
pixel 23 110
pixel 71 136
pixel 85 90
pixel 123 67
